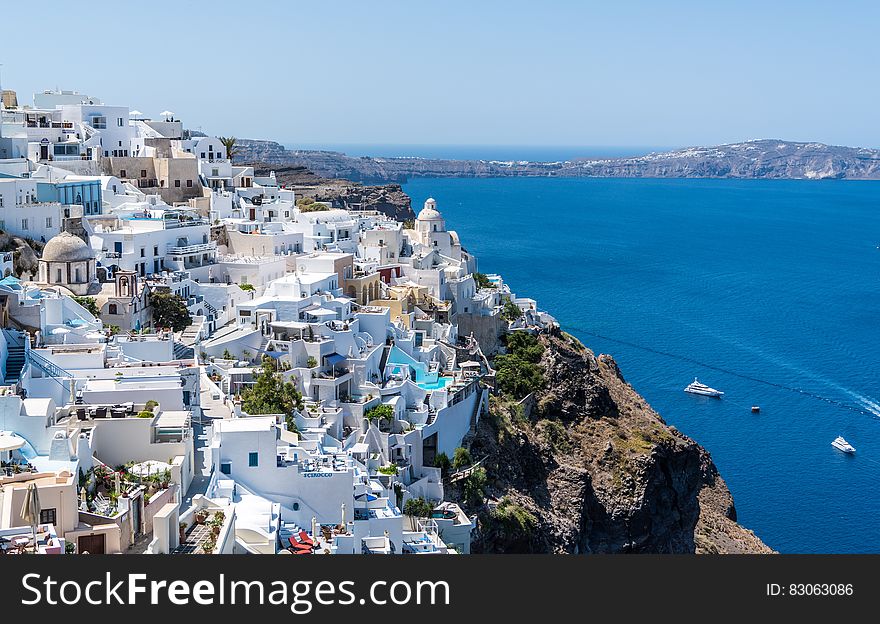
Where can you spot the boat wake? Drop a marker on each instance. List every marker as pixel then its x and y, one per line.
pixel 864 405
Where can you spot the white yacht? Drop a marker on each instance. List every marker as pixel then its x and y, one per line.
pixel 842 445
pixel 699 388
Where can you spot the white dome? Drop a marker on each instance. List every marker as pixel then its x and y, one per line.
pixel 66 248
pixel 429 212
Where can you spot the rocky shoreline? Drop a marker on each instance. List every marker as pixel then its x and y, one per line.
pixel 591 468
pixel 762 159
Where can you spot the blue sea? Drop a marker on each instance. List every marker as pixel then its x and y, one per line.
pixel 767 290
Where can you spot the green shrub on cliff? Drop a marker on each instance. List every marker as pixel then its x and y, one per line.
pixel 514 518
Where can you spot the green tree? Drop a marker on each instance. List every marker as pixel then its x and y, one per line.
pixel 509 310
pixel 461 458
pixel 418 507
pixel 248 287
pixel 230 144
pixel 379 413
pixel 474 486
pixel 169 310
pixel 226 354
pixel 89 304
pixel 441 461
pixel 482 281
pixel 270 394
pixel 517 377
pixel 525 346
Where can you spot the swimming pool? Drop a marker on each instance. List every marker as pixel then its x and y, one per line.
pixel 441 382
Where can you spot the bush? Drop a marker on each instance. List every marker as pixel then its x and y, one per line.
pixel 388 470
pixel 311 362
pixel 525 346
pixel 151 404
pixel 418 507
pixel 461 458
pixel 441 461
pixel 517 377
pixel 169 310
pixel 89 304
pixel 514 518
pixel 475 486
pixel 509 310
pixel 379 413
pixel 248 287
pixel 270 394
pixel 145 414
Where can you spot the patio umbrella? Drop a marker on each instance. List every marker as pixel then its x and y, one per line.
pixel 117 483
pixel 314 528
pixel 10 442
pixel 59 331
pixel 30 510
pixel 343 517
pixel 135 113
pixel 83 500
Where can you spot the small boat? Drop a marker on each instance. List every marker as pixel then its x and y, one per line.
pixel 698 388
pixel 755 409
pixel 842 445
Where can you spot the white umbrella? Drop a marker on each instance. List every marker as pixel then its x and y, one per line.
pixel 10 442
pixel 117 483
pixel 167 114
pixel 83 499
pixel 135 113
pixel 30 510
pixel 59 330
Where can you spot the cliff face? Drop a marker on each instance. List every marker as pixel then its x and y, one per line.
pixel 594 469
pixel 388 199
pixel 763 159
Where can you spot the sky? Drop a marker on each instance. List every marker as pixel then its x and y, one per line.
pixel 466 73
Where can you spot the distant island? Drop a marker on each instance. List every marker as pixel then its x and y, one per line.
pixel 760 159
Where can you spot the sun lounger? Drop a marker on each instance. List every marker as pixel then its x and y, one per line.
pixel 305 539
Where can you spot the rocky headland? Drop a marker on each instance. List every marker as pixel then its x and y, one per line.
pixel 761 159
pixel 584 465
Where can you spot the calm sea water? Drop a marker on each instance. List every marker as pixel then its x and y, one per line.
pixel 768 290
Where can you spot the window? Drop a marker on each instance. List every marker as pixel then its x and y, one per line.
pixel 177 183
pixel 58 276
pixel 122 173
pixel 225 467
pixel 47 516
pixel 119 123
pixel 24 224
pixel 143 252
pixel 155 250
pixel 99 122
pixel 143 173
pixel 77 276
pixel 113 309
pixel 48 222
pixel 189 183
pixel 253 459
pixel 203 154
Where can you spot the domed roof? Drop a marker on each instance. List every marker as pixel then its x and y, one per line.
pixel 429 212
pixel 66 248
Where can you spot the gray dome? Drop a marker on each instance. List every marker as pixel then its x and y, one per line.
pixel 429 212
pixel 67 248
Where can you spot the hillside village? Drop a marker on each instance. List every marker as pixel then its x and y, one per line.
pixel 198 359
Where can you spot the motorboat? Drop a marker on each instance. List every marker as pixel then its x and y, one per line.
pixel 702 389
pixel 842 445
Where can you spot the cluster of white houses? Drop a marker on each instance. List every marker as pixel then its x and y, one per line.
pixel 135 437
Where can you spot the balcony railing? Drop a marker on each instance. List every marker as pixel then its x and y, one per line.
pixel 184 250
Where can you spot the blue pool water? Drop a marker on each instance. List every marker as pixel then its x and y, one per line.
pixel 441 382
pixel 768 290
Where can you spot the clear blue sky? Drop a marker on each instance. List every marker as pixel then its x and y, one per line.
pixel 474 72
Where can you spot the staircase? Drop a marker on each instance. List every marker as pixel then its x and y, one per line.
pixel 183 352
pixel 14 364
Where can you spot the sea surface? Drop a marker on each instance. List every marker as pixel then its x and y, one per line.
pixel 767 290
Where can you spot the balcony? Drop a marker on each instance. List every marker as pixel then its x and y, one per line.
pixel 185 250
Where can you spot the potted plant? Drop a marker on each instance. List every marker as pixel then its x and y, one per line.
pixel 200 516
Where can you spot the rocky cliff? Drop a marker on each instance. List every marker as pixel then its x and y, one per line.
pixel 763 159
pixel 385 198
pixel 593 469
